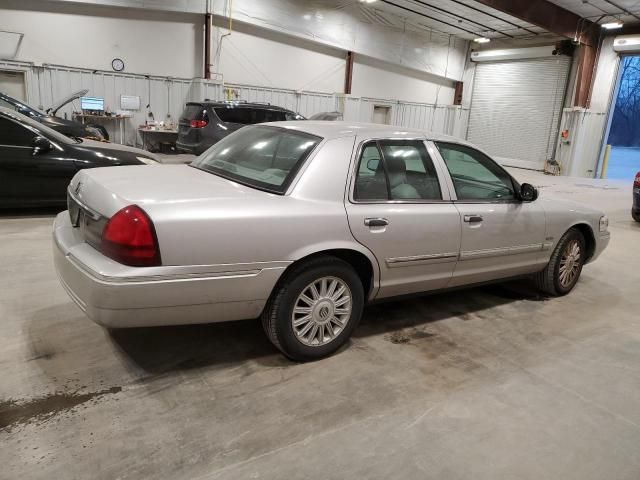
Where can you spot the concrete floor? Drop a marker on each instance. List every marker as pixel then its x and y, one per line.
pixel 491 383
pixel 624 163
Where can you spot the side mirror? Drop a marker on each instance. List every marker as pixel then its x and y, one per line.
pixel 528 193
pixel 40 145
pixel 373 164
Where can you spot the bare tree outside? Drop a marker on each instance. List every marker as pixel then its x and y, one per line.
pixel 625 126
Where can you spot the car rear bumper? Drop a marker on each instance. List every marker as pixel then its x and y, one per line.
pixel 117 296
pixel 187 147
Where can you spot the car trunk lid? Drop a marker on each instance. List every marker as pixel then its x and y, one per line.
pixel 107 190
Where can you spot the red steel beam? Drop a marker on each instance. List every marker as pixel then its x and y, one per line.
pixel 549 16
pixel 562 22
pixel 348 73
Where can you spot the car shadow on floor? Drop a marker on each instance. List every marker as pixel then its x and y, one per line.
pixel 159 350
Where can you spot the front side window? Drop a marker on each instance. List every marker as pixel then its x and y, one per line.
pixel 14 134
pixel 475 176
pixel 396 170
pixel 259 156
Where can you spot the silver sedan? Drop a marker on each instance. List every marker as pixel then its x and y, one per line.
pixel 303 223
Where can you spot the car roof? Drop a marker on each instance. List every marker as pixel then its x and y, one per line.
pixel 337 129
pixel 231 104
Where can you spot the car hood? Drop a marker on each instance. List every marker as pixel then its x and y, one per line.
pixel 111 147
pixel 53 109
pixel 161 187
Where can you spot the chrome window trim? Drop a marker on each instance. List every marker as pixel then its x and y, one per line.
pixel 354 173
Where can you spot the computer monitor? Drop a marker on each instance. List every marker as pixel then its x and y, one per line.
pixel 92 103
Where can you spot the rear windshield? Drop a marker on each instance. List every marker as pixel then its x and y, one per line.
pixel 194 112
pixel 251 115
pixel 259 156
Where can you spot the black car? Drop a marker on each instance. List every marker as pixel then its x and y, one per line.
pixel 635 210
pixel 37 163
pixel 70 128
pixel 204 123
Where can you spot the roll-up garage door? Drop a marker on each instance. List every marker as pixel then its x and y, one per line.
pixel 516 107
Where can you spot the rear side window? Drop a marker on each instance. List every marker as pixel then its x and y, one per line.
pixel 396 170
pixel 195 112
pixel 249 116
pixel 259 156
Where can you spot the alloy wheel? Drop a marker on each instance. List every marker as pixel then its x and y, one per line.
pixel 321 311
pixel 570 264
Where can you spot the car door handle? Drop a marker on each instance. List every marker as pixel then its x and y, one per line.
pixel 473 218
pixel 376 222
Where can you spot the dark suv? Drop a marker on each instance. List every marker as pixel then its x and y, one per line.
pixel 204 123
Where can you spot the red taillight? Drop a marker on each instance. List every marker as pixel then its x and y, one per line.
pixel 636 183
pixel 198 123
pixel 130 238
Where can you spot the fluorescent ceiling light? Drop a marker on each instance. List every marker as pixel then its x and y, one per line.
pixel 482 40
pixel 368 1
pixel 612 25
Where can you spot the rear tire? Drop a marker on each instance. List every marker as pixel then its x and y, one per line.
pixel 635 215
pixel 565 266
pixel 314 309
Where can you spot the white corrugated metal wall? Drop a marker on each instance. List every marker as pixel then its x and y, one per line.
pixel 516 107
pixel 578 154
pixel 167 96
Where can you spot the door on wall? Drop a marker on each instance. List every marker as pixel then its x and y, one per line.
pixel 12 84
pixel 516 107
pixel 624 130
pixel 382 114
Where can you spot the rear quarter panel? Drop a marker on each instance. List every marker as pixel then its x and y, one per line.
pixel 264 228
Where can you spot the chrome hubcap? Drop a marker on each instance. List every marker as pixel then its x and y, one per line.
pixel 570 264
pixel 321 311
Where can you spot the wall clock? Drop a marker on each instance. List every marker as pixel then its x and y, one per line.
pixel 117 64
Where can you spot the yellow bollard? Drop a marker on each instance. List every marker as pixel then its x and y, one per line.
pixel 605 161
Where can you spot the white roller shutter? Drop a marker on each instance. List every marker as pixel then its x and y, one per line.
pixel 516 107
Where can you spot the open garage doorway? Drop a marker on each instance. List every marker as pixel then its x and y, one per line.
pixel 624 130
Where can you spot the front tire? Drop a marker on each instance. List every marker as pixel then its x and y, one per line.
pixel 314 309
pixel 565 266
pixel 635 215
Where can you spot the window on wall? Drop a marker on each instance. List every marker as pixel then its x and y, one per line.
pixel 396 170
pixel 475 176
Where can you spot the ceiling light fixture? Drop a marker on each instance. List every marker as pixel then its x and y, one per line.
pixel 613 25
pixel 368 1
pixel 482 40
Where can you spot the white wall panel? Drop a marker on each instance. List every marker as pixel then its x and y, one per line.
pixel 578 155
pixel 605 78
pixel 346 25
pixel 156 43
pixel 253 56
pixel 372 78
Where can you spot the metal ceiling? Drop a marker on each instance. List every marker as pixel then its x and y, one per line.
pixel 603 10
pixel 466 19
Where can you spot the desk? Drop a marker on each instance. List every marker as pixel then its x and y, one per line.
pixel 119 122
pixel 145 132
